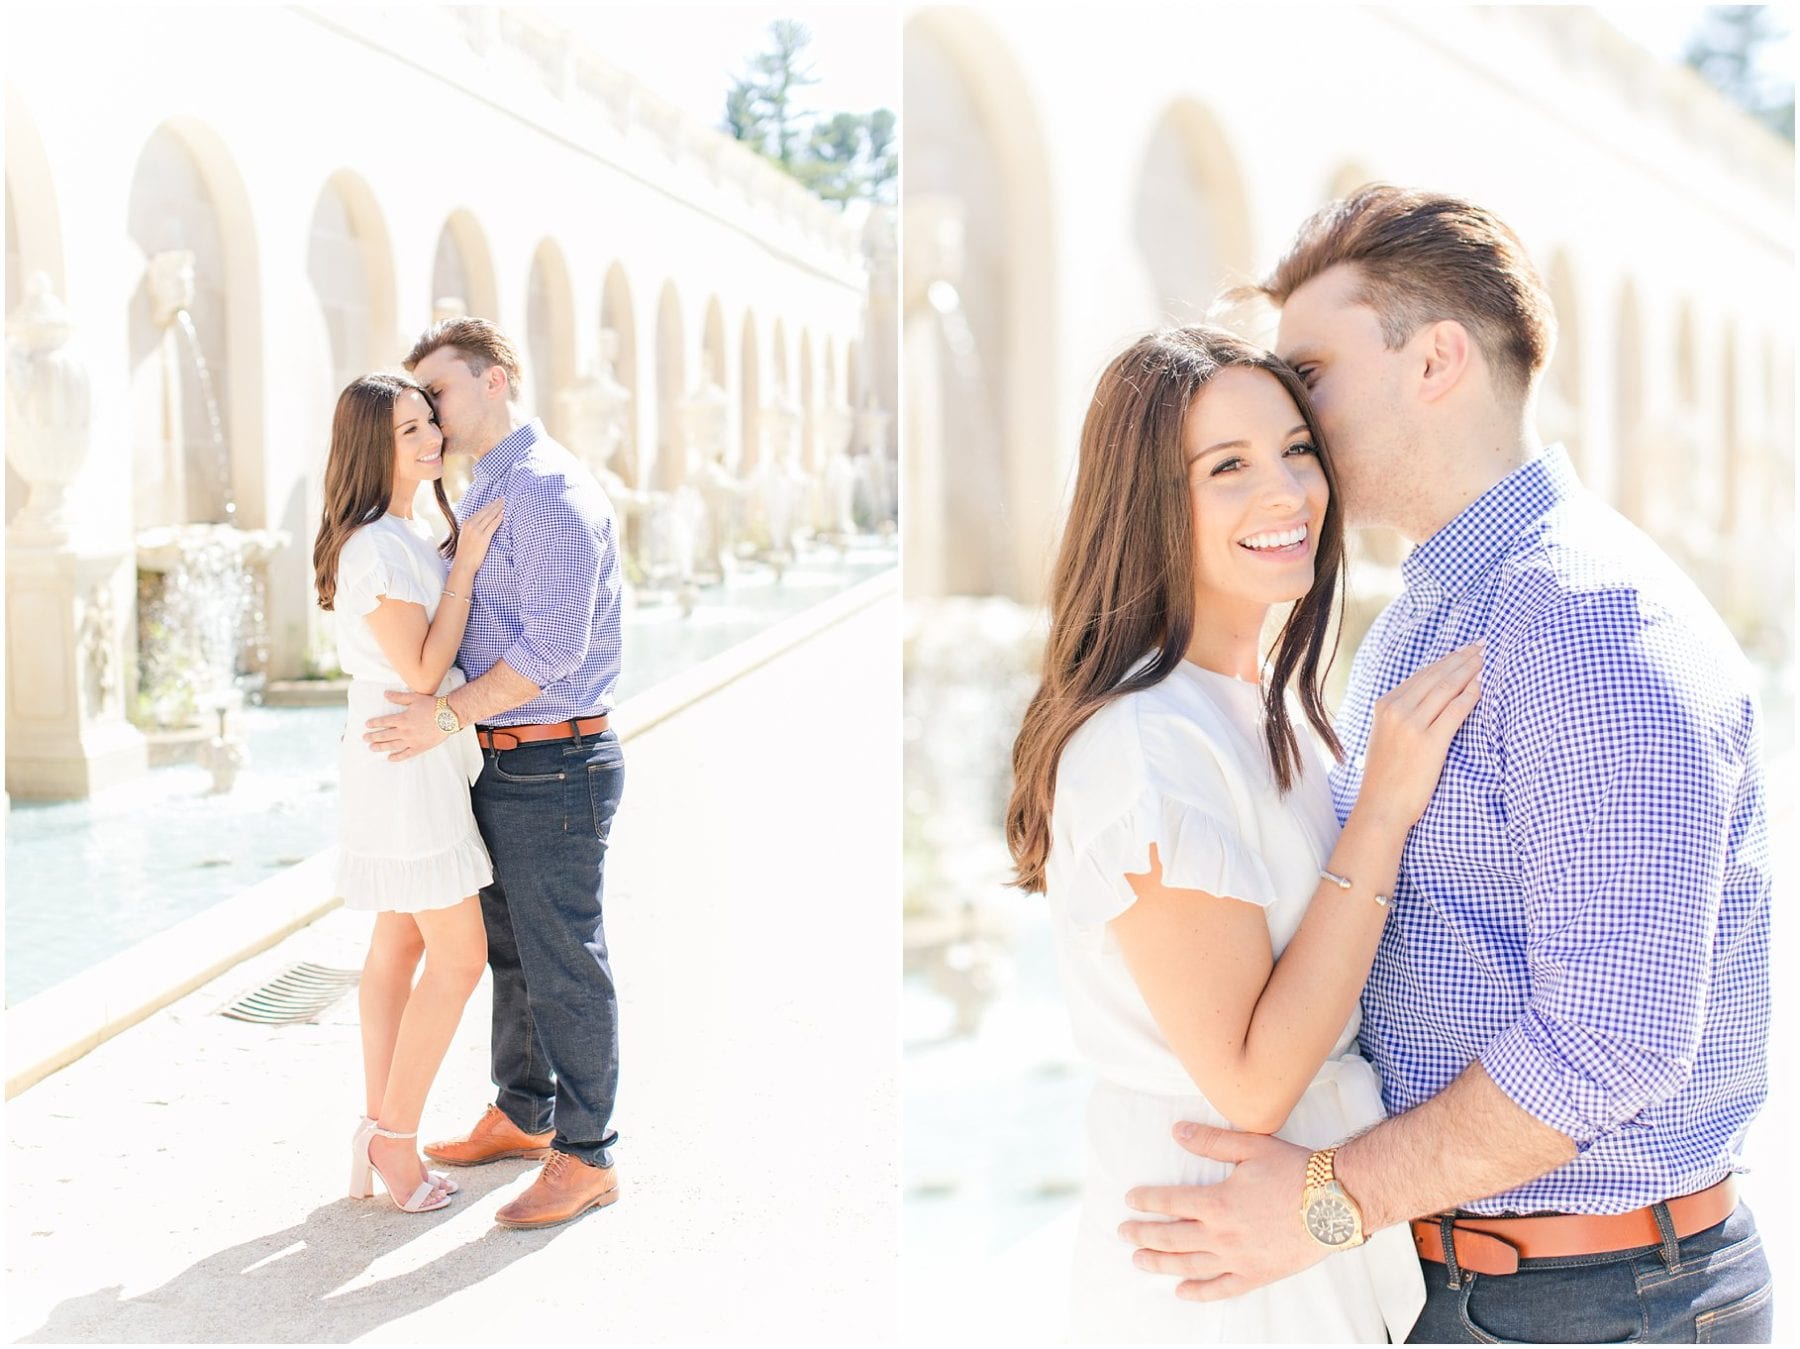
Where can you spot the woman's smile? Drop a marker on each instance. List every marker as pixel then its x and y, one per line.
pixel 1283 544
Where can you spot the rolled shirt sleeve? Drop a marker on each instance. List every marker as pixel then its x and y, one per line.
pixel 1621 767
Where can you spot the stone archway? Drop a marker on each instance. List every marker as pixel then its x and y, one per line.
pixel 1560 401
pixel 1190 214
pixel 750 396
pixel 778 351
pixel 462 271
pixel 811 442
pixel 618 317
pixel 350 265
pixel 549 335
pixel 715 374
pixel 1625 454
pixel 670 468
pixel 187 198
pixel 1731 432
pixel 712 343
pixel 980 346
pixel 350 262
pixel 36 233
pixel 1676 493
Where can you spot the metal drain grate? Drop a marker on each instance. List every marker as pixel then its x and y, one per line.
pixel 298 995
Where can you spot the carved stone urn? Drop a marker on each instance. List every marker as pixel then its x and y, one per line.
pixel 68 608
pixel 49 411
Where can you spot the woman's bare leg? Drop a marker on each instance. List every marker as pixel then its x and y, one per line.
pixel 455 956
pixel 387 981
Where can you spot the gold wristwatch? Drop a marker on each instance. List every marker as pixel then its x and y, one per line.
pixel 446 719
pixel 1331 1216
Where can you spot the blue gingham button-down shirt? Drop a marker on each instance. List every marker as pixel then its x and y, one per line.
pixel 548 595
pixel 1584 907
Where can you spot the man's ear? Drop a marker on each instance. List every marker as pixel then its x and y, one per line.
pixel 1448 351
pixel 495 377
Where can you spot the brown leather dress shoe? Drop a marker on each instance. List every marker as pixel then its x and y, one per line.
pixel 493 1138
pixel 566 1188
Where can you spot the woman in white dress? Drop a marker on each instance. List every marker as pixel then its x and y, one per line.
pixel 408 848
pixel 1182 826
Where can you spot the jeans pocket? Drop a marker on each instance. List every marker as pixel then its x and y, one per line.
pixel 521 760
pixel 1722 1290
pixel 1749 1320
pixel 1582 1304
pixel 596 774
pixel 604 786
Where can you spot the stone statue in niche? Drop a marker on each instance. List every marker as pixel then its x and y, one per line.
pixel 98 640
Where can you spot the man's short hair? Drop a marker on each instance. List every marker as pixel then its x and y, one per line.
pixel 1422 257
pixel 478 342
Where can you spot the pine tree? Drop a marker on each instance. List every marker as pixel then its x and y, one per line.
pixel 744 118
pixel 782 76
pixel 831 167
pixel 884 154
pixel 842 158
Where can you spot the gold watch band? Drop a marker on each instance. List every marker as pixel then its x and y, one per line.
pixel 1319 1170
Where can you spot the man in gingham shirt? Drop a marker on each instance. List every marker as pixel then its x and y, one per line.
pixel 542 651
pixel 1571 998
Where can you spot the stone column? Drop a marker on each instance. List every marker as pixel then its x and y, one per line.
pixel 70 609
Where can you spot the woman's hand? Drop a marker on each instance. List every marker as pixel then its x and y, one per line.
pixel 477 533
pixel 1414 724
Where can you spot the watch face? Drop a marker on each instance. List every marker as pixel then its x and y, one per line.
pixel 1330 1220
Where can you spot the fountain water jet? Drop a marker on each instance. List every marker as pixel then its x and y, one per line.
pixel 203 633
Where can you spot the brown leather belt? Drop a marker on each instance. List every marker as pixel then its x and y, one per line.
pixel 511 737
pixel 1496 1245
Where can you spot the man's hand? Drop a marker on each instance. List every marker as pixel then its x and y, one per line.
pixel 408 734
pixel 1231 1237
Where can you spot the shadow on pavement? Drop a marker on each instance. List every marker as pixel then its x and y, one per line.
pixel 280 1288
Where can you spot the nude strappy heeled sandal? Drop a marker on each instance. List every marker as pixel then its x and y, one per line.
pixel 443 1182
pixel 363 1172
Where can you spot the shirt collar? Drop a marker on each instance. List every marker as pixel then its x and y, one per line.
pixel 1451 559
pixel 511 451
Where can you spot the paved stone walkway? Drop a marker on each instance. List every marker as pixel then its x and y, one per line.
pixel 186 1180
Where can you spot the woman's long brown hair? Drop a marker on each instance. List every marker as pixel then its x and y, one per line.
pixel 359 473
pixel 1124 579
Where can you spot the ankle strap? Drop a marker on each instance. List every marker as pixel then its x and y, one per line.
pixel 389 1133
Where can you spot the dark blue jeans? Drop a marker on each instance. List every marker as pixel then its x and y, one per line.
pixel 545 810
pixel 1717 1291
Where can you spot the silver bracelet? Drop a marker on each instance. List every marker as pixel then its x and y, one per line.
pixel 1344 883
pixel 453 595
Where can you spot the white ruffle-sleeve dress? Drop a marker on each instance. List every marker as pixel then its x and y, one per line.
pixel 1183 765
pixel 406 831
